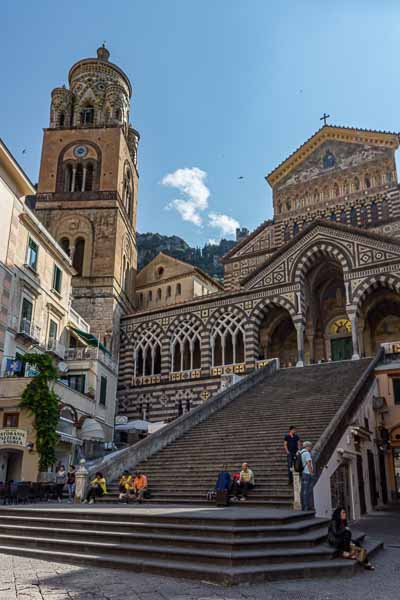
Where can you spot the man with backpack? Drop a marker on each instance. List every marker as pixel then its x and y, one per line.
pixel 307 476
pixel 291 446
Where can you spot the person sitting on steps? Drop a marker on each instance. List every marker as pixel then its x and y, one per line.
pixel 139 487
pixel 125 484
pixel 339 536
pixel 246 482
pixel 97 489
pixel 223 486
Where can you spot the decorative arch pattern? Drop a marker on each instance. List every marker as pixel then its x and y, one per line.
pixel 147 350
pixel 374 282
pixel 314 253
pixel 185 344
pixel 227 337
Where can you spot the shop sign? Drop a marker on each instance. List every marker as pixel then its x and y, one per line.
pixel 9 436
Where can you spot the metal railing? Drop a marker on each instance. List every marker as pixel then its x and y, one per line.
pixel 77 320
pixel 90 353
pixel 29 329
pixel 54 346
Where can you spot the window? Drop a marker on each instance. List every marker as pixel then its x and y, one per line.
pixel 353 217
pixel 103 390
pixel 296 229
pixel 118 114
pixel 150 296
pixel 64 243
pixel 364 216
pixel 343 217
pixel 62 119
pixel 374 213
pixel 78 187
pixel 33 251
pixel 159 294
pixel 79 255
pixel 89 178
pixel 178 289
pixel 356 184
pixel 10 419
pixel 57 278
pixel 26 315
pixel 53 329
pixel 396 390
pixel 87 115
pixel 367 182
pixel 169 291
pixel 333 217
pixel 77 383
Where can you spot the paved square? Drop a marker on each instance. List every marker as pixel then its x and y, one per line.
pixel 26 579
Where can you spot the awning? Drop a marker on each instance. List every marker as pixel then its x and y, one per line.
pixel 91 339
pixel 69 439
pixel 92 430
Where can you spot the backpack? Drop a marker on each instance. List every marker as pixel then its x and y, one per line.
pixel 298 462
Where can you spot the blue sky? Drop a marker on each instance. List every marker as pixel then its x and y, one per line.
pixel 222 90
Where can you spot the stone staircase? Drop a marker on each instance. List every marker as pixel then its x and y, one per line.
pixel 225 546
pixel 251 429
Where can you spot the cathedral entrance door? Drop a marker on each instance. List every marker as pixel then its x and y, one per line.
pixel 341 348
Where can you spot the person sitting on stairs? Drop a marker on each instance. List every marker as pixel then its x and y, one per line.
pixel 124 485
pixel 97 488
pixel 139 487
pixel 223 487
pixel 246 482
pixel 339 536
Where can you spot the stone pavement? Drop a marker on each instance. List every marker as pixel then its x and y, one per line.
pixel 26 579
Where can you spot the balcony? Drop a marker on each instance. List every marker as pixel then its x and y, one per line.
pixel 90 353
pixel 77 321
pixel 28 330
pixel 55 347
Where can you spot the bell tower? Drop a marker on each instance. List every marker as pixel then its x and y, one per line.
pixel 88 186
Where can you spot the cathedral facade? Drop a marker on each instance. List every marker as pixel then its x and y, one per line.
pixel 318 282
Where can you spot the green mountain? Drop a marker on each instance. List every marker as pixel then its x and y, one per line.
pixel 206 258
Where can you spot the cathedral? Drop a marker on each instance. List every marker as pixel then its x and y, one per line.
pixel 318 282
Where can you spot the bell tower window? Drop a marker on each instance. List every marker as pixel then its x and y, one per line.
pixel 79 254
pixel 89 177
pixel 87 115
pixel 64 243
pixel 62 119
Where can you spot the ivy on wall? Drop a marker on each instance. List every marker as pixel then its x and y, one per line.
pixel 43 403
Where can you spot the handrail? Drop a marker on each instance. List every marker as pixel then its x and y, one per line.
pixel 332 434
pixel 127 458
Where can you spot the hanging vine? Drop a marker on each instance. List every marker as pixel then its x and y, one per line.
pixel 43 403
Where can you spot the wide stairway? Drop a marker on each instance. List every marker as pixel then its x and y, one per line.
pixel 251 429
pixel 225 546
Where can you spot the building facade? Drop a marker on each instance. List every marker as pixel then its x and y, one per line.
pixel 318 282
pixel 37 316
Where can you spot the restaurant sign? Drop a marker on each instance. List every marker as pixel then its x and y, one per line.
pixel 9 436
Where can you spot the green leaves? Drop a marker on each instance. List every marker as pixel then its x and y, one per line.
pixel 43 403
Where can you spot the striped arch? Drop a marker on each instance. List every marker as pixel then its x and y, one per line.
pixel 218 314
pixel 259 311
pixel 317 250
pixel 360 294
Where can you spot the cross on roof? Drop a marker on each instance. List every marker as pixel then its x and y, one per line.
pixel 324 118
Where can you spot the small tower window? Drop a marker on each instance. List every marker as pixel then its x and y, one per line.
pixel 364 216
pixel 374 213
pixel 62 119
pixel 367 182
pixel 79 254
pixel 150 296
pixel 169 292
pixel 159 294
pixel 118 114
pixel 64 243
pixel 353 217
pixel 87 115
pixel 89 178
pixel 178 289
pixel 343 217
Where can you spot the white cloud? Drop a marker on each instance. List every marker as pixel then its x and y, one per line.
pixel 227 225
pixel 213 242
pixel 191 183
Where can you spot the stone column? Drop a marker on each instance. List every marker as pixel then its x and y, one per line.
pixel 354 335
pixel 296 490
pixel 82 478
pixel 73 179
pixel 84 179
pixel 300 343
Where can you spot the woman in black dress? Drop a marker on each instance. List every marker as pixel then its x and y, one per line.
pixel 339 536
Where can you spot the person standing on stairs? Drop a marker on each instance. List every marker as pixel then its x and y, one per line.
pixel 291 445
pixel 61 480
pixel 307 477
